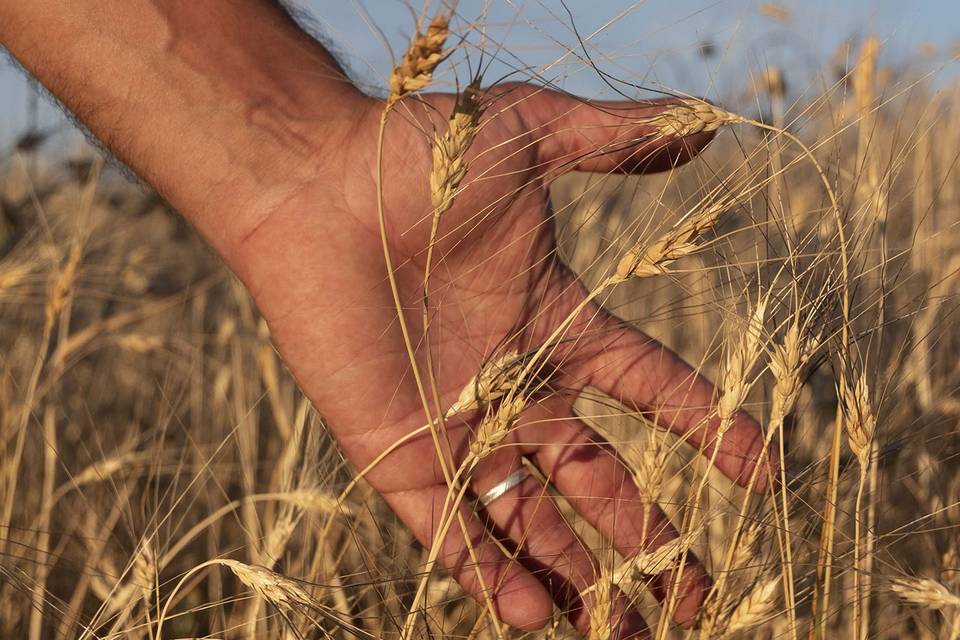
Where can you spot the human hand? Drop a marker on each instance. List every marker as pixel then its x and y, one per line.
pixel 315 265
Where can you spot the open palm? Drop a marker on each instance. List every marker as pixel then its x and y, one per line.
pixel 317 270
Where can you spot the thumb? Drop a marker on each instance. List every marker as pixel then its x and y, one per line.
pixel 573 133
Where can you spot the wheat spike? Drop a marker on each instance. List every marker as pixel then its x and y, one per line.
pixel 12 275
pixel 690 117
pixel 739 362
pixel 755 607
pixel 144 569
pixel 494 380
pixel 924 592
pixel 858 417
pixel 651 465
pixel 650 563
pixel 494 428
pixel 316 501
pixel 450 150
pixel 63 284
pixel 415 70
pixel 277 589
pixel 745 554
pixel 600 606
pixel 680 241
pixel 776 12
pixel 786 363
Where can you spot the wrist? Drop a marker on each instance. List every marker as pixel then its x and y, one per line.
pixel 223 106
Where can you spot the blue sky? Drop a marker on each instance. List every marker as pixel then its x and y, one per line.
pixel 652 43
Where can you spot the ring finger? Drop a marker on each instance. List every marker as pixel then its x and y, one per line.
pixel 529 523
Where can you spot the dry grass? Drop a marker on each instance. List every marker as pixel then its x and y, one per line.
pixel 148 433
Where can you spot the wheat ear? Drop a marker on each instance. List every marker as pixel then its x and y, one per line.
pixel 450 149
pixel 738 364
pixel 415 70
pixel 645 260
pixel 755 607
pixel 925 592
pixel 858 417
pixel 495 379
pixel 690 117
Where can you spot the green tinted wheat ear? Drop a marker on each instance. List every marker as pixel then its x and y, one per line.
pixel 415 70
pixel 690 117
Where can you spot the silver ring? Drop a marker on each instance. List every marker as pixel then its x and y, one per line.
pixel 503 486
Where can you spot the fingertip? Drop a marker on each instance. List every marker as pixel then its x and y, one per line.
pixel 692 587
pixel 633 627
pixel 522 602
pixel 656 156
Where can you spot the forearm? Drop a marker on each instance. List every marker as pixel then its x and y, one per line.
pixel 202 99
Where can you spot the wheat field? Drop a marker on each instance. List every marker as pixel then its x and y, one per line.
pixel 161 475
